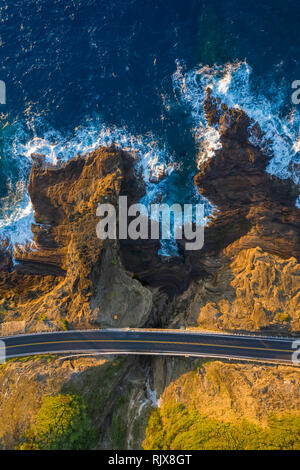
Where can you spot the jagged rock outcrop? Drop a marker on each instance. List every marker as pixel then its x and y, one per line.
pixel 256 291
pixel 257 407
pixel 70 274
pixel 5 256
pixel 246 278
pixel 255 208
pixel 230 391
pixel 252 245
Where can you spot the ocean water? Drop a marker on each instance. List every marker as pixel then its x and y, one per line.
pixel 83 73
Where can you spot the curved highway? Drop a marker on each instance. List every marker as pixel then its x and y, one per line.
pixel 167 342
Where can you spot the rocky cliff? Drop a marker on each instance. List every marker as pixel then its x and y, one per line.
pixel 245 277
pixel 122 393
pixel 68 274
pixel 227 406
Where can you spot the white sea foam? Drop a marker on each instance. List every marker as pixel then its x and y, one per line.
pixel 17 226
pixel 191 88
pixel 153 160
pixel 17 216
pixel 152 394
pixel 232 83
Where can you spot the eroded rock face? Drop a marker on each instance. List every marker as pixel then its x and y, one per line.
pixel 114 391
pixel 256 209
pixel 252 245
pixel 69 273
pixel 256 291
pixel 24 384
pixel 246 278
pixel 5 256
pixel 232 392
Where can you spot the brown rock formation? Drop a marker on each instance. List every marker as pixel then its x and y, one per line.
pixel 232 392
pixel 256 209
pixel 256 291
pixel 5 256
pixel 69 273
pixel 253 243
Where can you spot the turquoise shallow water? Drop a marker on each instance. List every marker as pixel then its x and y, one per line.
pixel 88 72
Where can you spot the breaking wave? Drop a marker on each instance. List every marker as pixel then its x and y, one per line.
pixel 234 84
pixel 16 213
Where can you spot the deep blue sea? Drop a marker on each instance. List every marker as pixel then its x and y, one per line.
pixel 80 73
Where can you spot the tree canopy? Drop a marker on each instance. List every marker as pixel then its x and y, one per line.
pixel 61 423
pixel 175 427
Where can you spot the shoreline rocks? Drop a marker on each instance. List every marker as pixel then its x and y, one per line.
pixel 69 274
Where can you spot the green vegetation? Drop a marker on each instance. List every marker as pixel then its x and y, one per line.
pixel 65 324
pixel 96 384
pixel 42 317
pixel 98 387
pixel 282 317
pixel 175 427
pixel 61 423
pixel 35 358
pixel 198 363
pixel 118 431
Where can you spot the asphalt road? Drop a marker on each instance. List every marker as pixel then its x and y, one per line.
pixel 151 342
